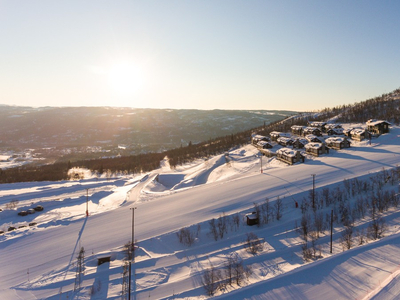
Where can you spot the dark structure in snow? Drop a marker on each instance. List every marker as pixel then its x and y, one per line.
pixel 252 219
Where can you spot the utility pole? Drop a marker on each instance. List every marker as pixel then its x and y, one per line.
pixel 132 249
pixel 261 162
pixel 87 202
pixel 313 191
pixel 331 227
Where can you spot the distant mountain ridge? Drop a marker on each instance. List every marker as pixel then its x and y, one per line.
pixel 122 130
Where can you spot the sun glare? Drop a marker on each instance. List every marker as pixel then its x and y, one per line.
pixel 125 78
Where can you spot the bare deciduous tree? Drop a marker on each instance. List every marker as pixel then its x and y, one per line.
pixel 211 280
pixel 278 208
pixel 253 243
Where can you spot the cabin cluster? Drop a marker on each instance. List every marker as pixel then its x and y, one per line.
pixel 315 139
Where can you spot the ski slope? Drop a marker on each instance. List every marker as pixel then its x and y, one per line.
pixel 39 262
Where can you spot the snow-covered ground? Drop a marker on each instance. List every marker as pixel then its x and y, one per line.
pixel 40 261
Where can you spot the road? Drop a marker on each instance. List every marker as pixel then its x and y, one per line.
pixel 110 230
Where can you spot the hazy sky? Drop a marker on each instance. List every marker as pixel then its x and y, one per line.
pixel 293 55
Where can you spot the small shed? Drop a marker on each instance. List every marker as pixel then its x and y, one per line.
pixel 252 219
pixel 102 260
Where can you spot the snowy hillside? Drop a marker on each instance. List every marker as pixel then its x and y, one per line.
pixel 38 260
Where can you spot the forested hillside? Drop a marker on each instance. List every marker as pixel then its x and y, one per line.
pixel 385 107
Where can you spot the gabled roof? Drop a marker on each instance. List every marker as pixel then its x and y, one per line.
pixel 287 151
pixel 313 146
pixel 374 122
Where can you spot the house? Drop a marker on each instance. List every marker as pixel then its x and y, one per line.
pixel 359 134
pixel 316 149
pixel 263 145
pixel 285 141
pixel 299 143
pixel 297 129
pixel 312 130
pixel 252 219
pixel 378 126
pixel 337 143
pixel 267 152
pixel 319 125
pixel 257 138
pixel 289 156
pixel 335 131
pixel 311 138
pixel 276 134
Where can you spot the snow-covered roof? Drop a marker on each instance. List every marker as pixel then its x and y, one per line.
pixel 317 124
pixel 297 127
pixel 287 151
pixel 263 143
pixel 358 131
pixel 277 133
pixel 311 137
pixel 259 137
pixel 284 139
pixel 374 122
pixel 334 139
pixel 313 146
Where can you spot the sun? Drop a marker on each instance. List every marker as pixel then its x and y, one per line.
pixel 125 78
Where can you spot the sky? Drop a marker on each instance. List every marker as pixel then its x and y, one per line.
pixel 227 54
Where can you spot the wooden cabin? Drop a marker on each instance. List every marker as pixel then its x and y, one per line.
pixel 319 125
pixel 378 126
pixel 263 145
pixel 316 149
pixel 276 134
pixel 297 129
pixel 289 156
pixel 337 143
pixel 258 138
pixel 335 131
pixel 359 134
pixel 285 141
pixel 312 130
pixel 311 138
pixel 299 143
